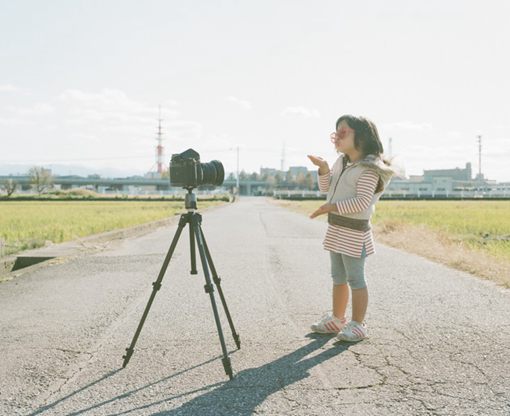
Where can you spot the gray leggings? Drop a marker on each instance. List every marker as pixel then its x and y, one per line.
pixel 347 269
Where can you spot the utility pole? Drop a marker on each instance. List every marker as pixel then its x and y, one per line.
pixel 159 147
pixel 282 165
pixel 238 189
pixel 237 169
pixel 479 156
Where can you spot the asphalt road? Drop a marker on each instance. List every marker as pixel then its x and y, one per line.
pixel 439 338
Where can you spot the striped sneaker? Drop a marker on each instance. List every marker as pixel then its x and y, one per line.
pixel 329 324
pixel 352 332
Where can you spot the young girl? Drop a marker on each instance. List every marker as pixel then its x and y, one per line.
pixel 354 184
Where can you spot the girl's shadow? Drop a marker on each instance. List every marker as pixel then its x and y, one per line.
pixel 251 387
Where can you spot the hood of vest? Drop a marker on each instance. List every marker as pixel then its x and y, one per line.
pixel 384 171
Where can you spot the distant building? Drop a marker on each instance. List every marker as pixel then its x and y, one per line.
pixel 446 183
pixel 270 172
pixel 295 171
pixel 455 174
pixel 153 175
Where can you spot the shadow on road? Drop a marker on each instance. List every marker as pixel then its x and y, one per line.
pixel 119 397
pixel 241 395
pixel 251 387
pixel 56 402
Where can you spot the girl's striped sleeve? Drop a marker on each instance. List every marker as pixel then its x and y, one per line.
pixel 324 181
pixel 365 189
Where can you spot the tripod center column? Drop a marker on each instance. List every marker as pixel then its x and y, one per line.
pixel 190 200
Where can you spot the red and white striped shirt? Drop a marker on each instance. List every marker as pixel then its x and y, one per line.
pixel 345 240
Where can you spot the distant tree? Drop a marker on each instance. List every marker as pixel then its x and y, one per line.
pixel 243 175
pixel 231 177
pixel 41 179
pixel 309 182
pixel 9 187
pixel 289 180
pixel 278 179
pixel 301 180
pixel 270 182
pixel 254 176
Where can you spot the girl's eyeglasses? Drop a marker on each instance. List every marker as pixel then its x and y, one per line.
pixel 338 134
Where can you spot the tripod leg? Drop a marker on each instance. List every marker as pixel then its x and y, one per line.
pixel 209 288
pixel 185 218
pixel 217 281
pixel 192 251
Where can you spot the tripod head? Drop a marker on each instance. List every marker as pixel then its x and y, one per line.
pixel 190 200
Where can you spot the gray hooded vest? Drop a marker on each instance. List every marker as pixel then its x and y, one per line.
pixel 343 184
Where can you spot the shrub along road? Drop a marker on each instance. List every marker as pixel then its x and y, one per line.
pixel 438 341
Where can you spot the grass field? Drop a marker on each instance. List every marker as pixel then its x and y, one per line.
pixel 25 225
pixel 470 235
pixel 481 225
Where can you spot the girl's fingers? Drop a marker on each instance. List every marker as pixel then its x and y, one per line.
pixel 320 211
pixel 316 160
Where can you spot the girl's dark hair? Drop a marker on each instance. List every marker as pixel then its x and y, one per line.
pixel 366 139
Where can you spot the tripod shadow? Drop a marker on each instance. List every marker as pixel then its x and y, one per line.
pixel 56 402
pixel 251 387
pixel 119 397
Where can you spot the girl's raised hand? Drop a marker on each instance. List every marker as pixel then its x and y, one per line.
pixel 318 161
pixel 321 163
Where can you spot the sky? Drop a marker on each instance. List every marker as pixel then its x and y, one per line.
pixel 81 82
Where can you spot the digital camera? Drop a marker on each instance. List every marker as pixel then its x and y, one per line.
pixel 187 171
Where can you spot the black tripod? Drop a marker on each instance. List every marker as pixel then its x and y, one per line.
pixel 195 232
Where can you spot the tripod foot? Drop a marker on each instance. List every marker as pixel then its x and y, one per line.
pixel 227 367
pixel 127 357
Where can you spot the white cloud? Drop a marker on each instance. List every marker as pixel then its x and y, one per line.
pixel 38 109
pixel 301 112
pixel 170 102
pixel 108 100
pixel 496 140
pixel 108 123
pixel 113 107
pixel 407 125
pixel 184 129
pixel 455 134
pixel 244 104
pixel 11 121
pixel 9 88
pixel 17 115
pixel 496 154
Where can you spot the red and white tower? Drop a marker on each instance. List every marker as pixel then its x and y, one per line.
pixel 159 147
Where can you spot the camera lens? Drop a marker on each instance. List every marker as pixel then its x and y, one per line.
pixel 212 173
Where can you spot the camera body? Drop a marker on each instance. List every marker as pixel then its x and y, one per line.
pixel 186 170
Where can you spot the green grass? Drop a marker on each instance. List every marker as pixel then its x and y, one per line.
pixel 480 225
pixel 25 225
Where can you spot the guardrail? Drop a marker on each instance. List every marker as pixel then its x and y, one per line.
pixel 298 194
pixel 458 195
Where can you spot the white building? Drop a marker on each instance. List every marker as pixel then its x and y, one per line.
pixel 446 183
